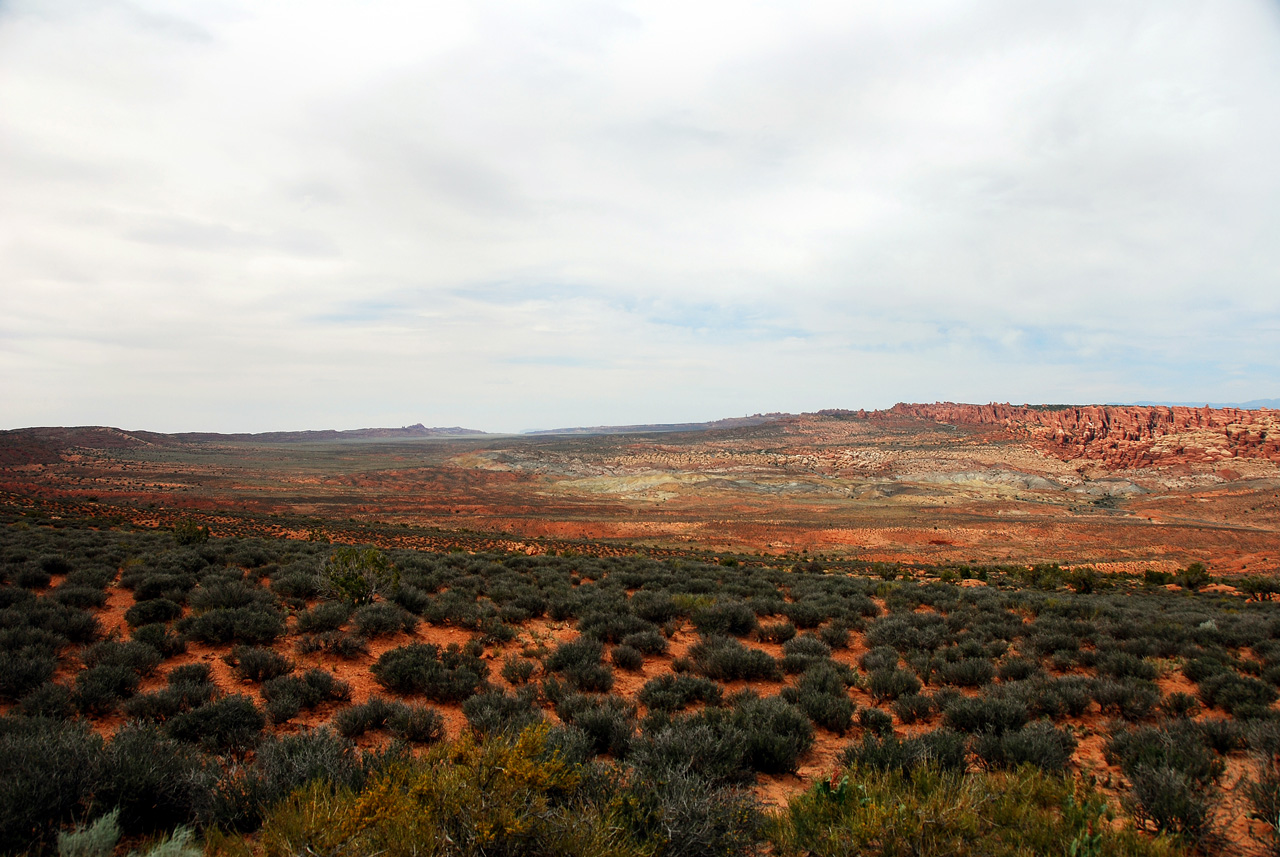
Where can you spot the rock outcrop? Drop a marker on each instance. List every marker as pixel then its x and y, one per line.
pixel 1120 436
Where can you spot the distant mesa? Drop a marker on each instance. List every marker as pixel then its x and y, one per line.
pixel 731 422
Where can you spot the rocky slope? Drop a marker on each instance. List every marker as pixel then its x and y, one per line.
pixel 1121 436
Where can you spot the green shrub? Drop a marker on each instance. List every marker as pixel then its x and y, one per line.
pixel 932 813
pixel 1169 801
pixel 879 659
pixel 94 840
pixel 608 722
pixel 891 684
pixel 155 610
pixel 941 749
pixel 230 723
pixel 675 692
pixel 1038 744
pixel 517 670
pixel 875 721
pixel 449 675
pixel 50 770
pixel 1130 698
pixel 134 655
pixel 649 642
pixel 967 672
pixel 100 689
pixel 156 782
pixel 497 712
pixel 1236 694
pixel 326 616
pixel 383 619
pixel 913 708
pixel 779 632
pixel 24 670
pixel 626 658
pixel 777 733
pixel 726 659
pixel 733 618
pixel 253 626
pixel 253 663
pixel 49 700
pixel 160 638
pixel 986 714
pixel 821 694
pixel 357 575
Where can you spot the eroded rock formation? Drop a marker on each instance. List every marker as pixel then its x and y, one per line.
pixel 1121 436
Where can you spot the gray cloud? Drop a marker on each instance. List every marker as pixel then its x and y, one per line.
pixel 251 216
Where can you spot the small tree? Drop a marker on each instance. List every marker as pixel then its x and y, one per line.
pixel 357 575
pixel 188 532
pixel 1194 576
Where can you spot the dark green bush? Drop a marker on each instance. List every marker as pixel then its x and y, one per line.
pixel 986 714
pixel 517 670
pixel 733 618
pixel 50 770
pixel 675 692
pixel 1124 665
pixel 497 712
pixel 1038 744
pixel 880 659
pixel 230 723
pixel 726 659
pixel 152 611
pixel 913 707
pixel 967 672
pixel 626 658
pixel 649 642
pixel 254 663
pixel 777 733
pixel 157 783
pixel 326 616
pixel 50 700
pixel 383 619
pixel 1130 698
pixel 253 626
pixel 100 689
pixel 779 632
pixel 891 684
pixel 941 749
pixel 160 638
pixel 875 721
pixel 137 656
pixel 822 695
pixel 23 670
pixel 607 721
pixel 218 593
pixel 1235 693
pixel 449 675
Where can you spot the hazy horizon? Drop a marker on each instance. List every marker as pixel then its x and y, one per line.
pixel 246 217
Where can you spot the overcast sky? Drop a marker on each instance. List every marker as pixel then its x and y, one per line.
pixel 248 216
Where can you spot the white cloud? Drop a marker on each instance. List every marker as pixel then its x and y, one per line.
pixel 245 216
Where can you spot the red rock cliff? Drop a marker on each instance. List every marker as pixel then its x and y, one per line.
pixel 1121 436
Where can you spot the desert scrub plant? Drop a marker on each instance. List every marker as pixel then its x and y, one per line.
pixel 285 696
pixel 95 839
pixel 448 675
pixel 675 692
pixel 50 771
pixel 1173 778
pixel 254 663
pixel 891 684
pixel 230 723
pixel 469 797
pixel 822 695
pixel 931 813
pixel 726 659
pixel 155 610
pixel 581 663
pixel 414 723
pixel 161 638
pixel 607 721
pixel 326 616
pixel 1038 744
pixel 799 653
pixel 383 619
pixel 626 658
pixel 941 749
pixel 994 714
pixel 357 575
pixel 251 625
pixel 726 618
pixel 154 781
pixel 517 670
pixel 777 733
pixel 647 642
pixel 777 632
pixel 498 712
